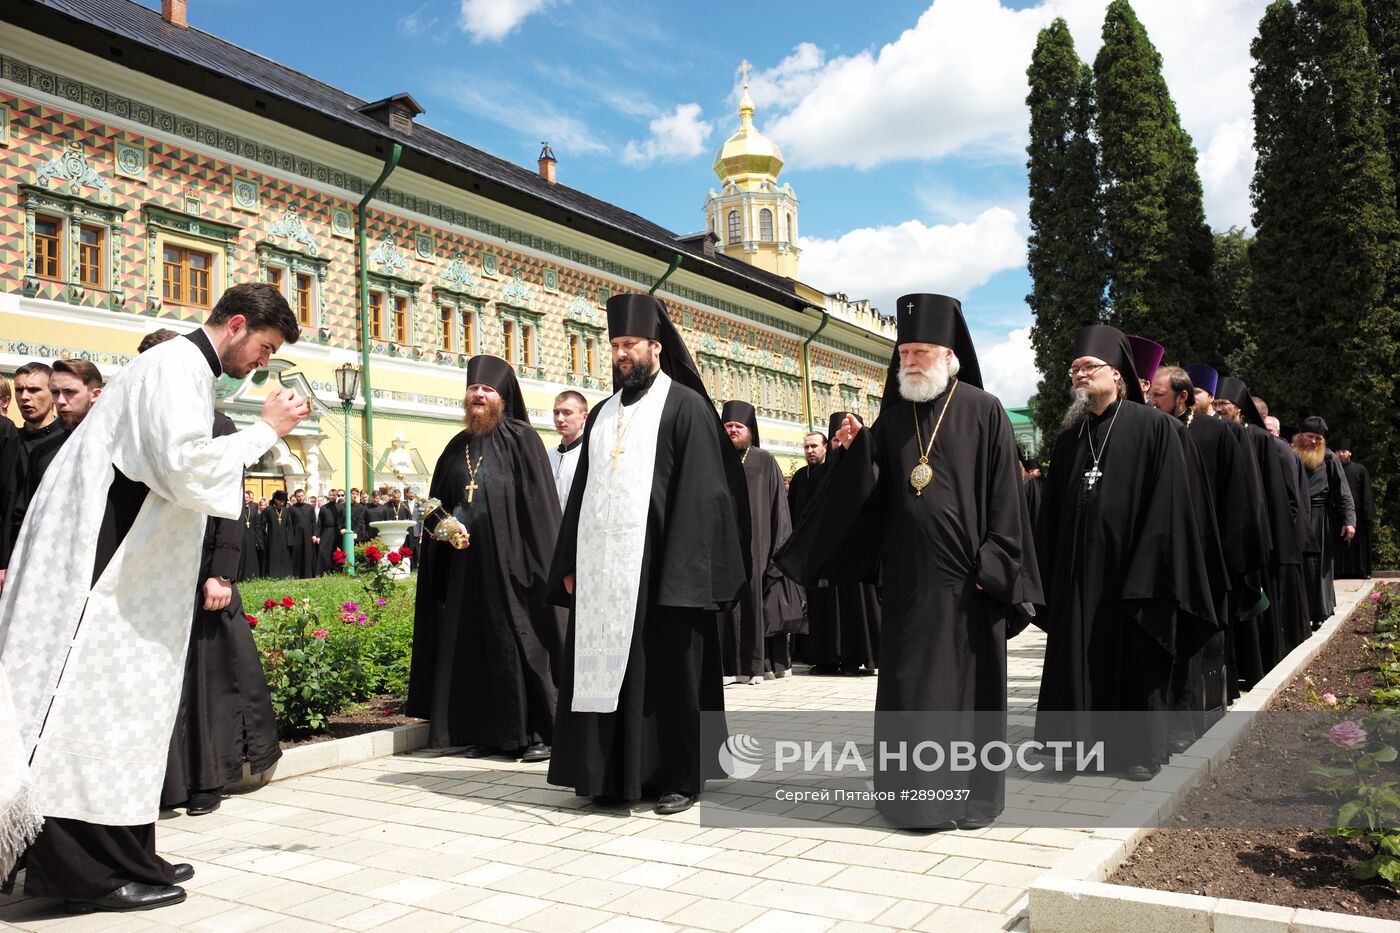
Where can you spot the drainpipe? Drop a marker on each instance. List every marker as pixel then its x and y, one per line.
pixel 675 264
pixel 807 366
pixel 362 262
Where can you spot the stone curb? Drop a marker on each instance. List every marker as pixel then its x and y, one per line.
pixel 1072 895
pixel 338 753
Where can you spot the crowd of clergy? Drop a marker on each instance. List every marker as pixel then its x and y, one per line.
pixel 587 604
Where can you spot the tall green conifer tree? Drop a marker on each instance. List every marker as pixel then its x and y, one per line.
pixel 1324 258
pixel 1065 250
pixel 1160 250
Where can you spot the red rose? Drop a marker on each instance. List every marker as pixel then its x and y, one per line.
pixel 405 552
pixel 338 556
pixel 372 553
pixel 394 558
pixel 252 620
pixel 288 602
pixel 270 604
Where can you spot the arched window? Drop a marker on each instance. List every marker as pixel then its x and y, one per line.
pixel 765 225
pixel 736 229
pixel 791 235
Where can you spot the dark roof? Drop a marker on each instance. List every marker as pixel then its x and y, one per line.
pixel 209 65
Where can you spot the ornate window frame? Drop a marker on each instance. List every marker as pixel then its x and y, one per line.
pixel 164 225
pixel 74 211
pixel 462 304
pixel 392 286
pixel 522 317
pixel 298 263
pixel 582 320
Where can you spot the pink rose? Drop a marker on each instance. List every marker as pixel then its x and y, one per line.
pixel 1329 699
pixel 1375 596
pixel 322 633
pixel 380 601
pixel 1347 734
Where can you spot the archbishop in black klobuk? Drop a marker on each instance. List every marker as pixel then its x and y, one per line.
pixel 930 498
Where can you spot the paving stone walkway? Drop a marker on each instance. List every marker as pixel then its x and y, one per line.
pixel 423 844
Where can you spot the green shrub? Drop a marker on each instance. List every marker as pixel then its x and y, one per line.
pixel 365 650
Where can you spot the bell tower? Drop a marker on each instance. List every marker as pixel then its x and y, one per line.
pixel 754 216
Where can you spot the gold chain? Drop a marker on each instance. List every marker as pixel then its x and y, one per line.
pixel 922 474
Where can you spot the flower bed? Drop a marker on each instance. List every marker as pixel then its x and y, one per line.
pixel 1350 867
pixel 329 644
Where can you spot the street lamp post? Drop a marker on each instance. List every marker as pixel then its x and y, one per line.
pixel 347 386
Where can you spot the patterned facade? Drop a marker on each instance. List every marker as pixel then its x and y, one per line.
pixel 121 211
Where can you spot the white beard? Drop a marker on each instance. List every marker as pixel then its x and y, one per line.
pixel 923 384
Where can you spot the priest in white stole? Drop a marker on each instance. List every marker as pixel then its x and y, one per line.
pixel 94 617
pixel 652 549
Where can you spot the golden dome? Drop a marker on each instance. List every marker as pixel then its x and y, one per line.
pixel 748 152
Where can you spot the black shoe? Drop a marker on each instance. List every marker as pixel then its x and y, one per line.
pixel 203 801
pixel 1141 772
pixel 944 827
pixel 824 669
pixel 478 751
pixel 184 871
pixel 133 896
pixel 1177 746
pixel 537 752
pixel 976 822
pixel 674 803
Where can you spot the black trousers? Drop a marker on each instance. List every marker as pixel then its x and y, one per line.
pixel 72 858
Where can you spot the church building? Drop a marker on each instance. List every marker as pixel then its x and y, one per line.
pixel 146 166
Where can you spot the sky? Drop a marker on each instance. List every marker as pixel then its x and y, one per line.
pixel 903 124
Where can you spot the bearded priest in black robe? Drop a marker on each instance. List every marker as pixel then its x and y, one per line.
pixel 486 640
pixel 755 639
pixel 932 492
pixel 1333 515
pixel 225 716
pixel 652 553
pixel 1354 556
pixel 843 616
pixel 277 538
pixel 1117 540
pixel 250 541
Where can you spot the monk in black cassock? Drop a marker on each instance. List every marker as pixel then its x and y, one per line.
pixel 652 550
pixel 1354 556
pixel 932 492
pixel 327 537
pixel 301 516
pixel 486 641
pixel 225 715
pixel 755 639
pixel 277 538
pixel 843 617
pixel 1118 546
pixel 1284 623
pixel 1333 515
pixel 250 540
pixel 1204 682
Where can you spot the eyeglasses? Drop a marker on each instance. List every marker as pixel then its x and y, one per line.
pixel 1086 370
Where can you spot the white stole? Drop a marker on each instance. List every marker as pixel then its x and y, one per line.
pixel 612 534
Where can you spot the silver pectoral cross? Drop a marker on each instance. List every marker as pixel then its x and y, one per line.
pixel 1092 475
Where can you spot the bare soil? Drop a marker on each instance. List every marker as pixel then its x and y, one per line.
pixel 376 713
pixel 1288 867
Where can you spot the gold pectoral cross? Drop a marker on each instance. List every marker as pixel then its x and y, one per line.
pixel 617 452
pixel 471 488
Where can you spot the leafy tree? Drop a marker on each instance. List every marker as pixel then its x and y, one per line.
pixel 1065 250
pixel 1160 250
pixel 1324 259
pixel 1232 282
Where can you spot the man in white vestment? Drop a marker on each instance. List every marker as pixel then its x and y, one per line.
pixel 570 412
pixel 94 617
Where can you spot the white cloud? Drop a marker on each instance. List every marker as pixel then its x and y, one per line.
pixel 678 135
pixel 493 20
pixel 955 82
pixel 516 107
pixel 882 263
pixel 415 24
pixel 1226 165
pixel 1008 367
